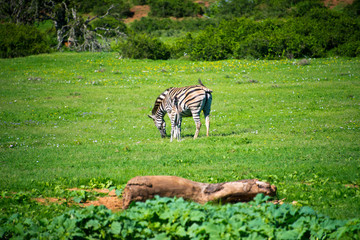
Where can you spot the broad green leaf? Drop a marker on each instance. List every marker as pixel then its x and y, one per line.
pixel 180 231
pixel 292 234
pixel 161 236
pixel 94 224
pixel 116 227
pixel 307 211
pixel 196 216
pixel 118 192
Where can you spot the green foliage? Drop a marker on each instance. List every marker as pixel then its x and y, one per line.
pixel 353 10
pixel 157 26
pixel 121 8
pixel 149 25
pixel 109 23
pixel 262 9
pixel 318 34
pixel 178 219
pixel 140 2
pixel 139 46
pixel 232 8
pixel 303 7
pixel 209 45
pixel 173 8
pixel 21 40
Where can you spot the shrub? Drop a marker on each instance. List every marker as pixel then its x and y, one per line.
pixel 353 10
pixel 174 8
pixel 121 8
pixel 209 45
pixel 140 46
pixel 349 49
pixel 152 25
pixel 109 23
pixel 303 7
pixel 320 33
pixel 21 40
pixel 231 8
pixel 140 2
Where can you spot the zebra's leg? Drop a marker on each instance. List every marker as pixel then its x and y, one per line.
pixel 172 116
pixel 197 124
pixel 207 123
pixel 206 110
pixel 178 126
pixel 172 133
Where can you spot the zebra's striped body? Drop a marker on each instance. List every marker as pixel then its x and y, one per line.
pixel 190 100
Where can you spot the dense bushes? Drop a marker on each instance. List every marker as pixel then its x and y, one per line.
pixel 261 9
pixel 111 24
pixel 320 33
pixel 232 8
pixel 142 46
pixel 301 28
pixel 21 40
pixel 152 25
pixel 120 8
pixel 174 8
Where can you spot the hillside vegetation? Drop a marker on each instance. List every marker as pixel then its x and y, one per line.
pixel 234 29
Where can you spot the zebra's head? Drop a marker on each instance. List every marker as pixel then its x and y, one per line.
pixel 160 124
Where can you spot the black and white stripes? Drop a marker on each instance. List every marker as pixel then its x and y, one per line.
pixel 179 103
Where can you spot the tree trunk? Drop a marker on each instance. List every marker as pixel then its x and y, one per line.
pixel 147 187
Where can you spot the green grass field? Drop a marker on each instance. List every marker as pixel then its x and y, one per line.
pixel 68 118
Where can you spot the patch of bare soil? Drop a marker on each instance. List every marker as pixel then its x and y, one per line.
pixel 49 200
pixel 111 201
pixel 139 12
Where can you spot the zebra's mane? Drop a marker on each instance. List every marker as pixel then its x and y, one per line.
pixel 159 100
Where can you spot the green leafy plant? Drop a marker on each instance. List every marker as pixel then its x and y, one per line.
pixel 109 23
pixel 21 40
pixel 176 218
pixel 140 46
pixel 174 8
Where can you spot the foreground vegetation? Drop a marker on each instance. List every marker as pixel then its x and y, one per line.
pixel 71 119
pixel 165 218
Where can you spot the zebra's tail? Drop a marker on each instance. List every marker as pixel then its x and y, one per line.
pixel 205 88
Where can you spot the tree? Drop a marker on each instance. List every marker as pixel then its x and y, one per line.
pixel 23 11
pixel 70 27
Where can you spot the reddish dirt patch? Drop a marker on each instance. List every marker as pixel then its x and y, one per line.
pixel 139 12
pixel 49 200
pixel 144 10
pixel 111 201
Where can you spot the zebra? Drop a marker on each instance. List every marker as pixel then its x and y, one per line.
pixel 191 100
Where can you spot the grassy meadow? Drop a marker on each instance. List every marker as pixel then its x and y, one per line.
pixel 72 118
